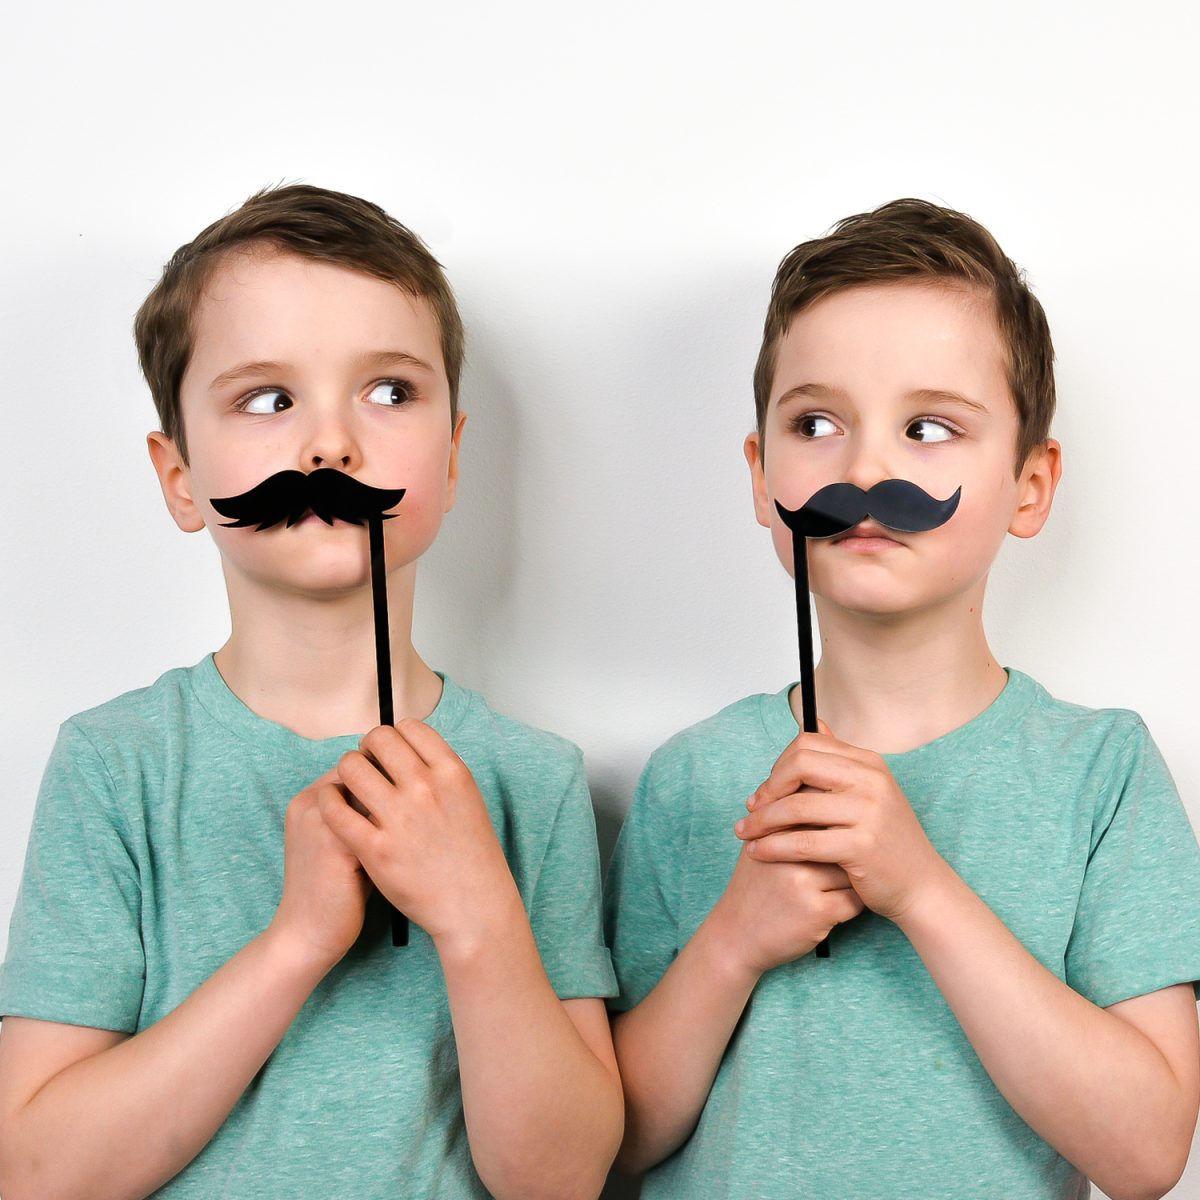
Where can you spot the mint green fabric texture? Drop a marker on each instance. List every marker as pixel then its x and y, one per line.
pixel 157 852
pixel 849 1076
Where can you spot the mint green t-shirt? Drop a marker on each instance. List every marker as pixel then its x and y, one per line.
pixel 849 1076
pixel 157 852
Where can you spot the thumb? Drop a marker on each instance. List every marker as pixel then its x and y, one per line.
pixel 822 727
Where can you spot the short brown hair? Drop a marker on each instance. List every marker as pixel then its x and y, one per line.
pixel 913 240
pixel 313 223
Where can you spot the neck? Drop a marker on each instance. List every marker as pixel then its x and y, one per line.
pixel 310 664
pixel 893 683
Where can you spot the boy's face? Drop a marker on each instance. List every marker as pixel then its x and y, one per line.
pixel 900 381
pixel 297 365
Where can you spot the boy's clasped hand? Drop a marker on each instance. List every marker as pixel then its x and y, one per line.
pixel 829 802
pixel 402 814
pixel 425 839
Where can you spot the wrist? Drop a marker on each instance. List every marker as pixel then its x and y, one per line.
pixel 483 929
pixel 293 954
pixel 723 947
pixel 927 906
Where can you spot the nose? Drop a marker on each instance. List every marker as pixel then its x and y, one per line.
pixel 330 442
pixel 869 460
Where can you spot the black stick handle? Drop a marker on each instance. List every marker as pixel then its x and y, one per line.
pixel 808 687
pixel 383 650
pixel 383 670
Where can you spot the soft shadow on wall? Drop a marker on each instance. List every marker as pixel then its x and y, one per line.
pixel 467 575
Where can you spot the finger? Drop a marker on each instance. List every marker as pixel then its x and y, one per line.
pixel 825 741
pixel 427 743
pixel 355 832
pixel 392 752
pixel 829 877
pixel 356 804
pixel 843 906
pixel 801 845
pixel 822 769
pixel 806 808
pixel 330 776
pixel 373 792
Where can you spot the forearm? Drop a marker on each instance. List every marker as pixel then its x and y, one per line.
pixel 1093 1086
pixel 670 1046
pixel 543 1113
pixel 135 1114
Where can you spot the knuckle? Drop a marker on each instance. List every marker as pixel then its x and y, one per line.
pixel 300 808
pixel 376 739
pixel 453 768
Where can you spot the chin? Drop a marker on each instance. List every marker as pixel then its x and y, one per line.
pixel 883 601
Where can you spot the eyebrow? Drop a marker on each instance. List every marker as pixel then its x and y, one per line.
pixel 938 396
pixel 821 391
pixel 244 371
pixel 817 391
pixel 375 359
pixel 394 358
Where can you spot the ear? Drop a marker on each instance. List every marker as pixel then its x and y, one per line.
pixel 175 481
pixel 1038 481
pixel 752 449
pixel 452 469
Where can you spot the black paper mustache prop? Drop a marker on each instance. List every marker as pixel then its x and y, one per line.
pixel 894 503
pixel 289 496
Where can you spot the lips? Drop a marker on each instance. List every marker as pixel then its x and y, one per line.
pixel 865 530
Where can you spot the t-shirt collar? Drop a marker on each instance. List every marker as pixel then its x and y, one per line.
pixel 223 706
pixel 988 727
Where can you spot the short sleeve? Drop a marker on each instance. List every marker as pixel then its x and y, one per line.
pixel 1137 925
pixel 75 949
pixel 642 890
pixel 565 912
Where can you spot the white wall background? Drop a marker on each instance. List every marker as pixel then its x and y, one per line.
pixel 610 189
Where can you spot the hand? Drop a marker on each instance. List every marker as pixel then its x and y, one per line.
pixel 778 911
pixel 325 889
pixel 857 817
pixel 422 832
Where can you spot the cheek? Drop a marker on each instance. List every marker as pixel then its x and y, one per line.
pixel 793 478
pixel 992 505
pixel 973 537
pixel 781 539
pixel 219 474
pixel 425 486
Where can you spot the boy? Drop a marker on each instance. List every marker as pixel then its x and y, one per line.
pixel 201 997
pixel 1010 881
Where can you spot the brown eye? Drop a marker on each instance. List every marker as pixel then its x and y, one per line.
pixel 927 430
pixel 391 393
pixel 267 402
pixel 813 425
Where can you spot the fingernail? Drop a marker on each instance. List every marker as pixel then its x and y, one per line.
pixel 740 828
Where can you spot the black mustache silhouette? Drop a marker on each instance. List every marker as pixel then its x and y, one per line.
pixel 895 503
pixel 291 495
